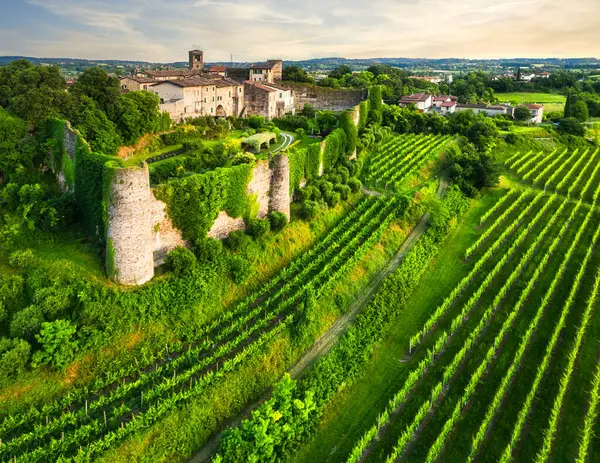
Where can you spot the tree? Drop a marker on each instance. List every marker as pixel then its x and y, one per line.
pixel 522 114
pixel 308 111
pixel 94 125
pixel 296 74
pixel 483 133
pixel 580 111
pixel 518 76
pixel 472 170
pixel 14 151
pixel 375 105
pixel 571 126
pixel 100 87
pixel 58 345
pixel 340 72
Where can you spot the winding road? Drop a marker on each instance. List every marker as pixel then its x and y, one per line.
pixel 288 139
pixel 326 342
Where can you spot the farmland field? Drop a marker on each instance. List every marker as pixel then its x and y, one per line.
pixel 495 355
pixel 551 101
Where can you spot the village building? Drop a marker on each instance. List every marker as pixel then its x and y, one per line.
pixel 268 72
pixel 200 96
pixel 218 71
pixel 136 83
pixel 268 100
pixel 196 59
pixel 423 101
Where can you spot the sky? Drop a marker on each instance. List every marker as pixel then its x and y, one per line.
pixel 254 30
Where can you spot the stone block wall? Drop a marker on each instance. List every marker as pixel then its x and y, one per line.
pixel 323 97
pixel 260 186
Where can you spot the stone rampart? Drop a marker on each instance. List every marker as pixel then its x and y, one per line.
pixel 260 186
pixel 332 99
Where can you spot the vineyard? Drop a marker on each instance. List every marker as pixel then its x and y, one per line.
pixel 506 367
pixel 88 421
pixel 401 157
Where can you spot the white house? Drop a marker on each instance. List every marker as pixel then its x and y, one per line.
pixel 423 101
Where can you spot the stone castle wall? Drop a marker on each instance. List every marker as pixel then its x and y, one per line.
pixel 323 97
pixel 260 186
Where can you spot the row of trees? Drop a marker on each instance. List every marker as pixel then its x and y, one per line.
pixel 94 104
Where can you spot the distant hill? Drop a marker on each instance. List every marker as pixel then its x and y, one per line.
pixel 77 65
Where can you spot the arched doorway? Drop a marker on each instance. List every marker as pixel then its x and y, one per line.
pixel 221 111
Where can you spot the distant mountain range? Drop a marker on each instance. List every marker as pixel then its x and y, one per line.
pixel 450 64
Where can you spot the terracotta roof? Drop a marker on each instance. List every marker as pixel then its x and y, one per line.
pixel 141 80
pixel 260 86
pixel 471 106
pixel 534 106
pixel 189 82
pixel 266 65
pixel 415 97
pixel 448 104
pixel 174 72
pixel 218 69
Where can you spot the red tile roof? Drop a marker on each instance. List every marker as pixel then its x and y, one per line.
pixel 533 106
pixel 448 104
pixel 218 69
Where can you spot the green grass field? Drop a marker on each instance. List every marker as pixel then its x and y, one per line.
pixel 551 101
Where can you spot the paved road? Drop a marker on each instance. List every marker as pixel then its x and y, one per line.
pixel 326 342
pixel 288 139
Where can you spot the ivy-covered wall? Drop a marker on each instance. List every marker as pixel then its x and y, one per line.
pixel 304 163
pixel 55 134
pixel 90 185
pixel 194 202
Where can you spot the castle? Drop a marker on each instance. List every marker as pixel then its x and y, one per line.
pixel 196 92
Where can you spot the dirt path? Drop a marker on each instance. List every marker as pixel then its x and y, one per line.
pixel 326 342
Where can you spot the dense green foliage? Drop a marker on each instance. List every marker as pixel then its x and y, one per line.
pixel 194 202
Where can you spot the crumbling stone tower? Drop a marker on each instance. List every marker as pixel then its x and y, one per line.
pixel 196 59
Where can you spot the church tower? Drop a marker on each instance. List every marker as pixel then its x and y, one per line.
pixel 196 59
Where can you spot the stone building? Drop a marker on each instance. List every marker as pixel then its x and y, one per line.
pixel 268 100
pixel 218 71
pixel 268 72
pixel 200 96
pixel 136 83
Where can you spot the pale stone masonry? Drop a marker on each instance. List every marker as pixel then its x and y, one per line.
pixel 129 243
pixel 280 186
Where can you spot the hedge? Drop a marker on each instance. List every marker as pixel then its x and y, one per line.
pixel 364 115
pixel 349 128
pixel 194 202
pixel 335 144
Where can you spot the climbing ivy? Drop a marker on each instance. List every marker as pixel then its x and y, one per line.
pixel 304 163
pixel 335 148
pixel 194 202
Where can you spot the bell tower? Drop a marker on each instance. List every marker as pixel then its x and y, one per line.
pixel 196 59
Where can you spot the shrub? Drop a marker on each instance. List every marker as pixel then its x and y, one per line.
pixel 243 158
pixel 278 221
pixel 27 322
pixel 258 227
pixel 21 259
pixel 239 269
pixel 332 198
pixel 181 260
pixel 57 342
pixel 237 240
pixel 310 209
pixel 14 355
pixel 303 194
pixel 208 249
pixel 354 184
pixel 343 190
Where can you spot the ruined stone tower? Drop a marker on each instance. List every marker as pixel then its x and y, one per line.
pixel 196 59
pixel 280 186
pixel 129 235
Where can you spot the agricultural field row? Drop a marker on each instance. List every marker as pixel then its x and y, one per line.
pixel 401 157
pixel 568 173
pixel 506 366
pixel 87 422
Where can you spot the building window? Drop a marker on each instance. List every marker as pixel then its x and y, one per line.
pixel 213 99
pixel 239 90
pixel 280 95
pixel 229 92
pixel 211 110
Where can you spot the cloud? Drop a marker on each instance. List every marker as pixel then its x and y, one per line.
pixel 258 29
